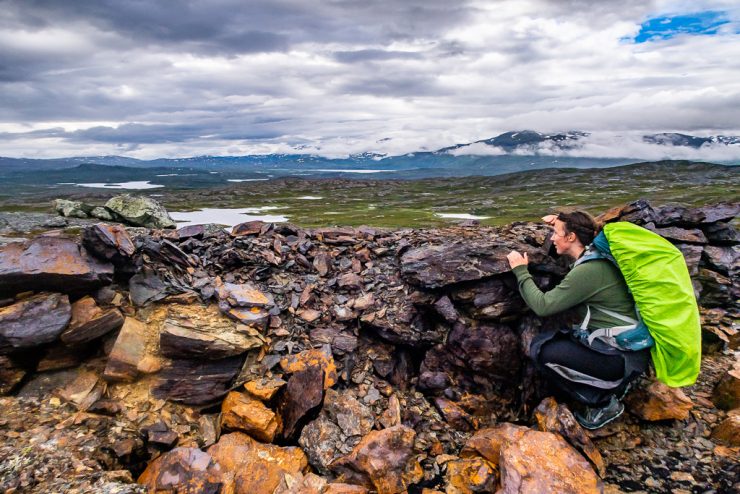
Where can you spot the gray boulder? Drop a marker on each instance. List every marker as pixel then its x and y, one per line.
pixel 72 209
pixel 140 211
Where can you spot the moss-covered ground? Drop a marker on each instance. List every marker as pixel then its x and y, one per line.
pixel 417 203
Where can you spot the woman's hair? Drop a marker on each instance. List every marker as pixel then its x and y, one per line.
pixel 582 224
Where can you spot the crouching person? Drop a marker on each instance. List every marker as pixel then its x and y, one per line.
pixel 581 362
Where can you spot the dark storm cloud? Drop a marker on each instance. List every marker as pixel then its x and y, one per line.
pixel 371 55
pixel 235 26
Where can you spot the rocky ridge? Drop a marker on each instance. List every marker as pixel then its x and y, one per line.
pixel 336 360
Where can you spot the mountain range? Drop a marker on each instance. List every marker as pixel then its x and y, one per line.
pixel 522 143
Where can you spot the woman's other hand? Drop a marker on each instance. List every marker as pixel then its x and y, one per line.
pixel 550 219
pixel 516 259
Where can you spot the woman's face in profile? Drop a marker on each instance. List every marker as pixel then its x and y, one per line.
pixel 560 239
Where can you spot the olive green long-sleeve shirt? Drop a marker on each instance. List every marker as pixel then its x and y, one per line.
pixel 596 283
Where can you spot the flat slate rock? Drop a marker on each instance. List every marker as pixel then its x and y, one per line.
pixel 128 350
pixel 438 266
pixel 108 242
pixel 33 321
pixel 51 263
pixel 197 382
pixel 90 322
pixel 202 332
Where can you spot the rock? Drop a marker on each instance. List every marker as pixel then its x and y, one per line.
pixel 433 267
pixel 339 428
pixel 109 243
pixel 202 332
pixel 160 435
pixel 247 228
pixel 725 211
pixel 195 382
pixel 720 233
pixel 128 350
pixel 470 475
pixel 493 349
pixel 673 215
pixel 676 234
pixel 256 467
pixel 321 357
pixel 728 431
pixel 10 375
pixel 384 460
pixel 33 321
pixel 49 263
pixel 350 281
pixel 322 263
pixel 717 290
pixel 185 470
pixel 241 412
pixel 90 322
pixel 658 401
pixel 140 211
pixel 639 212
pixel 254 317
pixel 491 299
pixel 341 488
pixel 264 389
pixel 724 260
pixel 86 389
pixel 303 393
pixel 72 209
pixel 199 231
pixel 242 296
pixel 454 415
pixel 726 395
pixel 305 484
pixel 101 213
pixel 533 461
pixel 558 419
pixel 146 287
pixel 692 255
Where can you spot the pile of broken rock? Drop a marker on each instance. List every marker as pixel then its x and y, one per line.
pixel 335 360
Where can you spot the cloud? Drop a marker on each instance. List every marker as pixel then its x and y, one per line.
pixel 99 77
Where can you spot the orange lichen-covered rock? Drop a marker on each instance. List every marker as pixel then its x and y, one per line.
pixel 186 470
pixel 341 488
pixel 557 418
pixel 256 467
pixel 545 462
pixel 383 460
pixel 488 442
pixel 659 402
pixel 533 461
pixel 264 389
pixel 470 475
pixel 316 356
pixel 727 393
pixel 728 431
pixel 240 411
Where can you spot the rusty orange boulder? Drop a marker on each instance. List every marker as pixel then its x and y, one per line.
pixel 185 470
pixel 532 461
pixel 657 401
pixel 383 460
pixel 256 467
pixel 240 411
pixel 471 475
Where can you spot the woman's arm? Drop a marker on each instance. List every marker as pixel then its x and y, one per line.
pixel 578 286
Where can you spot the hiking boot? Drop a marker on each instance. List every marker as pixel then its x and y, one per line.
pixel 593 418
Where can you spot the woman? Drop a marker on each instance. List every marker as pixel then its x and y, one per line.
pixel 593 373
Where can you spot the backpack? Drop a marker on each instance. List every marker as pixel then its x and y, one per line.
pixel 655 272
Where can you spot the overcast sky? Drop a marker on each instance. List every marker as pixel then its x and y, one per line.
pixel 176 78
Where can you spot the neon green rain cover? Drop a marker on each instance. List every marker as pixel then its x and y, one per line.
pixel 656 273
